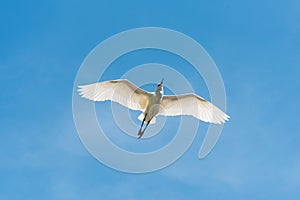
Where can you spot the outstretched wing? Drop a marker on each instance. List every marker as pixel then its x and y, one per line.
pixel 121 91
pixel 191 104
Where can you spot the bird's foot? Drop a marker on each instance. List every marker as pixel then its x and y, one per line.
pixel 140 134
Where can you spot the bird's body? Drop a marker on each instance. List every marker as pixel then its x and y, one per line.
pixel 152 103
pixel 152 108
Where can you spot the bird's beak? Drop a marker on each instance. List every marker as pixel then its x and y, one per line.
pixel 162 81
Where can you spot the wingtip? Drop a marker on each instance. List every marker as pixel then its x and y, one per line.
pixel 80 90
pixel 223 120
pixel 227 117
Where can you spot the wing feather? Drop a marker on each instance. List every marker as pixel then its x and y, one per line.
pixel 191 104
pixel 120 91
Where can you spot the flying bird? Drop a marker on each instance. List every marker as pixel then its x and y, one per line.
pixel 154 103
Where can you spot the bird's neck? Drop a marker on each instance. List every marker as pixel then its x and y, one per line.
pixel 159 92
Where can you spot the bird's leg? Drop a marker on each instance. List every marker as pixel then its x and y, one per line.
pixel 146 126
pixel 140 131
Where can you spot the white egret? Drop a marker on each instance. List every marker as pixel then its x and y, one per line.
pixel 154 103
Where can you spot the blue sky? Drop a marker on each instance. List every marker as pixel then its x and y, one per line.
pixel 255 45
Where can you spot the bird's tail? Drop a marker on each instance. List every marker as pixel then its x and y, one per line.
pixel 141 117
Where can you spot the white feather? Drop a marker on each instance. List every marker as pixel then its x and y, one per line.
pixel 191 104
pixel 154 103
pixel 120 91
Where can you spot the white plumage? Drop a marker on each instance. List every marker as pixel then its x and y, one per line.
pixel 153 103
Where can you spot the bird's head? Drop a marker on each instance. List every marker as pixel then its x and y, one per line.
pixel 159 88
pixel 160 84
